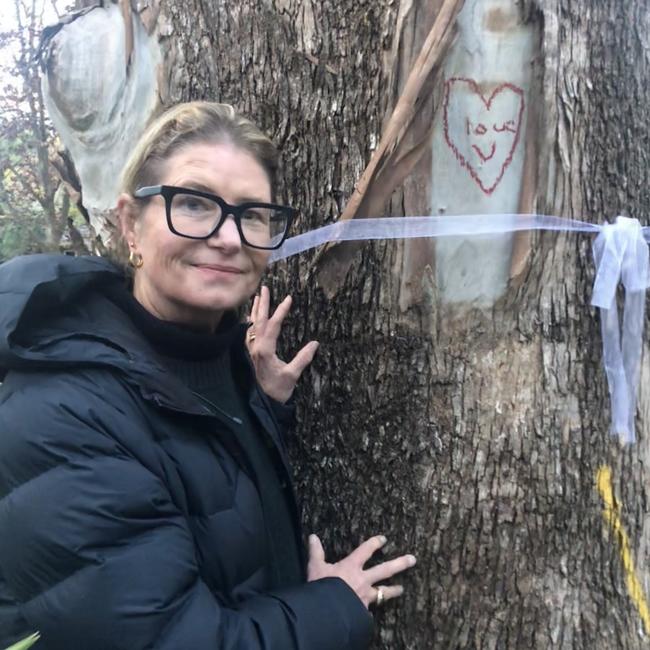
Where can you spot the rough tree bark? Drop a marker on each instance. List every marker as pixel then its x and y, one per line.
pixel 470 427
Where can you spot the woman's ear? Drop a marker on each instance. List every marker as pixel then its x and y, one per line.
pixel 127 212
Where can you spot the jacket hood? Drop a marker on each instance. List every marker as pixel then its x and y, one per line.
pixel 40 293
pixel 55 313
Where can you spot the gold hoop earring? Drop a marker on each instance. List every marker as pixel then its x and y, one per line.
pixel 135 260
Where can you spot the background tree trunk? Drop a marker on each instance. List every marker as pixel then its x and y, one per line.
pixel 468 430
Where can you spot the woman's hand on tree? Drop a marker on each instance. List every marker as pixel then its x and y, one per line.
pixel 350 569
pixel 276 377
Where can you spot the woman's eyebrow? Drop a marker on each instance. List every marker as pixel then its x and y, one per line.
pixel 195 185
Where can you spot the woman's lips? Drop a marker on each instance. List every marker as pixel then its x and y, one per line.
pixel 218 268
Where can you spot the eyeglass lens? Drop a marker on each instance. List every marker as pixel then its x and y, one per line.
pixel 197 216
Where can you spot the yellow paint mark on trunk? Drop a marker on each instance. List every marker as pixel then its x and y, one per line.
pixel 612 516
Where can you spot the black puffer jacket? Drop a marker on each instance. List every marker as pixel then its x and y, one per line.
pixel 126 520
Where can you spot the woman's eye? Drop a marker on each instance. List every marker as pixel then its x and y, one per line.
pixel 255 216
pixel 193 204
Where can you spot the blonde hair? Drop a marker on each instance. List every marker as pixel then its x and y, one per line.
pixel 195 122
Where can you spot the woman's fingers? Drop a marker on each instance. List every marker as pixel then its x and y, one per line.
pixel 366 550
pixel 263 304
pixel 275 321
pixel 266 326
pixel 388 569
pixel 316 550
pixel 269 326
pixel 251 330
pixel 390 591
pixel 277 378
pixel 351 570
pixel 302 359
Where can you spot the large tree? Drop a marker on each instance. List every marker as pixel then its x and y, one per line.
pixel 458 402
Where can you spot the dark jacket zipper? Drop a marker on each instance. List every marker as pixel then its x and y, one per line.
pixel 232 418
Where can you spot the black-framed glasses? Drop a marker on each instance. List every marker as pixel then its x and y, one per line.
pixel 199 215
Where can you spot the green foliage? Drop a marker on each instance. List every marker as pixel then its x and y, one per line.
pixel 23 225
pixel 21 236
pixel 33 214
pixel 25 643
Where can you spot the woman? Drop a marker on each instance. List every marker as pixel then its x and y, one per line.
pixel 145 497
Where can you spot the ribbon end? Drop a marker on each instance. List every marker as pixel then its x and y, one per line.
pixel 625 435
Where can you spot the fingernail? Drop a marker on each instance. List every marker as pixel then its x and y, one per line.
pixel 312 538
pixel 411 560
pixel 382 539
pixel 400 590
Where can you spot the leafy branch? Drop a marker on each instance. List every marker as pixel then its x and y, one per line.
pixel 35 211
pixel 25 643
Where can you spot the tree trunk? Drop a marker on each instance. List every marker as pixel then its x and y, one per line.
pixel 457 403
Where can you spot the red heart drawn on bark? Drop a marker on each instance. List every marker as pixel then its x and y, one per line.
pixel 482 133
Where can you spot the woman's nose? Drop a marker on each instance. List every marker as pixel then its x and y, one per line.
pixel 227 236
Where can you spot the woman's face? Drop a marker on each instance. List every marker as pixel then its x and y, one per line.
pixel 194 281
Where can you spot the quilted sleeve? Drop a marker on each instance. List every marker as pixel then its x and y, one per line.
pixel 97 555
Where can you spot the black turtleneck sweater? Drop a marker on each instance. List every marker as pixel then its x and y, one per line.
pixel 204 363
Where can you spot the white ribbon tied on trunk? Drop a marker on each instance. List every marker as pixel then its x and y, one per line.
pixel 620 252
pixel 622 257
